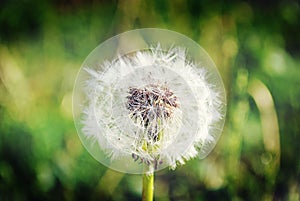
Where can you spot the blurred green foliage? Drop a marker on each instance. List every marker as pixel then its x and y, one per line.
pixel 256 46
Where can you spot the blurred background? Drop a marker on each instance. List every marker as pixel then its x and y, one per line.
pixel 256 46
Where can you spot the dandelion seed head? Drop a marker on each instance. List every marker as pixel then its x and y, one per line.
pixel 152 107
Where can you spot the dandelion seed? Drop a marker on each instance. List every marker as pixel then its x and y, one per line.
pixel 157 104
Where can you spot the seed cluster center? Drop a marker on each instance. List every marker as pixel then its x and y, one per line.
pixel 151 103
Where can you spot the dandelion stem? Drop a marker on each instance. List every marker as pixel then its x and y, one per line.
pixel 148 186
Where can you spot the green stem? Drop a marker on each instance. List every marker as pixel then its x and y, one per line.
pixel 148 187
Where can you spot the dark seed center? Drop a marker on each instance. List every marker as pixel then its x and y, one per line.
pixel 151 103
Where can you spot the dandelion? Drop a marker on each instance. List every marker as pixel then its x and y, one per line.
pixel 149 107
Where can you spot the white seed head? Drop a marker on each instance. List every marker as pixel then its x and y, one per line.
pixel 152 107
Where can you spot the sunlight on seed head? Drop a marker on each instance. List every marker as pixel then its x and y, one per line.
pixel 152 107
